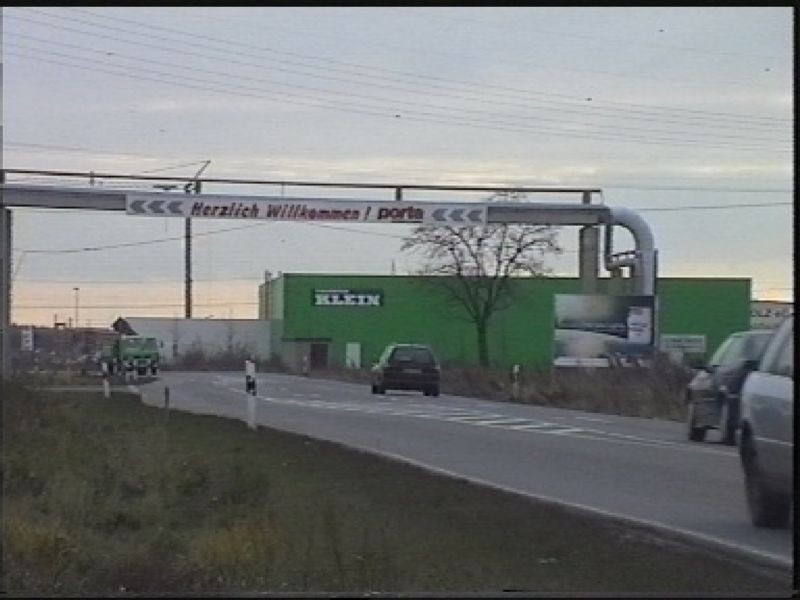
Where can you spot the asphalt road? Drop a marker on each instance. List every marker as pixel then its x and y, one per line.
pixel 641 470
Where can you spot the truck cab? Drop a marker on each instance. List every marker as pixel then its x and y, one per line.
pixel 132 353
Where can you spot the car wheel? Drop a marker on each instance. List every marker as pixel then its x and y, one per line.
pixel 426 392
pixel 696 434
pixel 379 389
pixel 374 389
pixel 727 424
pixel 435 391
pixel 767 508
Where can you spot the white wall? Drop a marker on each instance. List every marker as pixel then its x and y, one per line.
pixel 767 314
pixel 213 336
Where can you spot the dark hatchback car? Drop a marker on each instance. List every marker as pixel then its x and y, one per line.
pixel 406 367
pixel 712 397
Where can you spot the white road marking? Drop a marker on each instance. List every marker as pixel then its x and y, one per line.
pixel 502 422
pixel 493 420
pixel 534 426
pixel 478 417
pixel 594 420
pixel 567 431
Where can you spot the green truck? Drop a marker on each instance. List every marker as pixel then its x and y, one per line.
pixel 131 353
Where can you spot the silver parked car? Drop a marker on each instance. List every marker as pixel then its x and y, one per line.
pixel 712 397
pixel 766 441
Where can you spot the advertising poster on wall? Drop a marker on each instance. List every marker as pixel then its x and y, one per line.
pixel 603 331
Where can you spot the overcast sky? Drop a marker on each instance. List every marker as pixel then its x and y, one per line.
pixel 662 108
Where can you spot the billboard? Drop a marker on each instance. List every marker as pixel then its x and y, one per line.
pixel 602 331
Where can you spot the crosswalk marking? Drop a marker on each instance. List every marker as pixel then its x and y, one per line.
pixel 449 414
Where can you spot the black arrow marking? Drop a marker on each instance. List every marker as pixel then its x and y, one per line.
pixel 439 214
pixel 136 206
pixel 455 215
pixel 155 206
pixel 475 215
pixel 175 207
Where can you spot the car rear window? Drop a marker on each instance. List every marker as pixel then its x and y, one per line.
pixel 411 354
pixel 755 345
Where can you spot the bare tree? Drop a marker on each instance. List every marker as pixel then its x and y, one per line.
pixel 473 266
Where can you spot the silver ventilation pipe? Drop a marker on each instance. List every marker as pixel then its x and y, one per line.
pixel 643 259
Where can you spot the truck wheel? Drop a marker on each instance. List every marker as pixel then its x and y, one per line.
pixel 696 434
pixel 767 508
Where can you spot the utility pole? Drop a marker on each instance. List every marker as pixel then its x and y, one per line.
pixel 5 289
pixel 76 290
pixel 195 183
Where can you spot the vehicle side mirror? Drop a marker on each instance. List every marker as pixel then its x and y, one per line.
pixel 750 364
pixel 696 362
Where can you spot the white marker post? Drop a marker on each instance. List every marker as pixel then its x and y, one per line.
pixel 106 386
pixel 515 382
pixel 250 387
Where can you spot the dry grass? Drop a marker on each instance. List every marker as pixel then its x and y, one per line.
pixel 108 496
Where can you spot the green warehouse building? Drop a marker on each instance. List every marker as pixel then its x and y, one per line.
pixel 347 320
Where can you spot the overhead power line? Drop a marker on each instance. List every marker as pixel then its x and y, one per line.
pixel 563 102
pixel 595 38
pixel 358 231
pixel 501 124
pixel 352 39
pixel 127 306
pixel 141 242
pixel 712 207
pixel 600 128
pixel 327 61
pixel 441 170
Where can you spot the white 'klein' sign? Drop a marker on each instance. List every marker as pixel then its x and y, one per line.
pixel 347 298
pixel 277 208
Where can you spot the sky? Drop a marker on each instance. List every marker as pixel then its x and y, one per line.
pixel 685 114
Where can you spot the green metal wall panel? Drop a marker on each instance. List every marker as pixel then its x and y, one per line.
pixel 711 307
pixel 414 312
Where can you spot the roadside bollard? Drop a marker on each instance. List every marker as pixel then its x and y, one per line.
pixel 106 385
pixel 250 387
pixel 250 377
pixel 166 403
pixel 515 382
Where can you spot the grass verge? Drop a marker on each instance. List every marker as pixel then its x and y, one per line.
pixel 108 496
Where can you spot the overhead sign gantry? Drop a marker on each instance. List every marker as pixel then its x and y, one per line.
pixel 641 261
